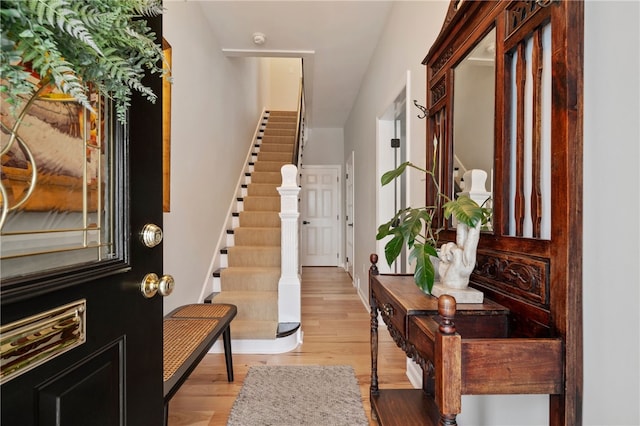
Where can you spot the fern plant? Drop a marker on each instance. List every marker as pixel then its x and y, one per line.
pixel 413 227
pixel 79 46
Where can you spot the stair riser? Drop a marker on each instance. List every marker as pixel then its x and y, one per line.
pixel 257 237
pixel 262 190
pixel 274 156
pixel 286 125
pixel 267 177
pixel 259 220
pixel 279 132
pixel 253 256
pixel 277 147
pixel 261 204
pixel 280 113
pixel 264 309
pixel 290 140
pixel 273 118
pixel 251 283
pixel 269 166
pixel 256 312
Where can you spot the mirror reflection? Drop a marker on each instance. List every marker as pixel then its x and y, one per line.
pixel 473 121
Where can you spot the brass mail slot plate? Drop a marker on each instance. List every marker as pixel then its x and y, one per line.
pixel 32 341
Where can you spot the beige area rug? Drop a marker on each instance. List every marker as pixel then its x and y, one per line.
pixel 299 395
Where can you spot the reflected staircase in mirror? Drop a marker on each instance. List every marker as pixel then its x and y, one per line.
pixel 250 264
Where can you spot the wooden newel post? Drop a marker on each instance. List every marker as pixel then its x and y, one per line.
pixel 448 365
pixel 289 286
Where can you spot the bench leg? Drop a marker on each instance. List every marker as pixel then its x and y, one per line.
pixel 166 413
pixel 226 337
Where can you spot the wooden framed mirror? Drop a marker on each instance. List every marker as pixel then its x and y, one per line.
pixel 531 259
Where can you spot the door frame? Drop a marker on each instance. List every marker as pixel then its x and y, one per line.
pixel 385 130
pixel 349 217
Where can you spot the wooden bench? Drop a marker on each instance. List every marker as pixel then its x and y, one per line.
pixel 188 332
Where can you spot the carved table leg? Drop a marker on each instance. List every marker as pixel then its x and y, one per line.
pixel 374 351
pixel 373 270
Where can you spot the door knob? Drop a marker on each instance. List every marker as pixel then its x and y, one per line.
pixel 166 285
pixel 151 285
pixel 304 222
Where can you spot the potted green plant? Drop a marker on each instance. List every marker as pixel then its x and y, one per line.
pixel 78 46
pixel 414 228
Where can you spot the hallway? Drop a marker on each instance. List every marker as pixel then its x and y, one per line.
pixel 336 332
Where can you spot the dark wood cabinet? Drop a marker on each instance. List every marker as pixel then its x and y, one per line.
pixel 463 349
pixel 527 337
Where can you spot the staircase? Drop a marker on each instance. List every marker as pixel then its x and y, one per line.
pixel 251 263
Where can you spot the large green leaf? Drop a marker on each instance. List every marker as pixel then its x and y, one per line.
pixel 412 225
pixel 392 174
pixel 393 248
pixel 424 275
pixel 466 211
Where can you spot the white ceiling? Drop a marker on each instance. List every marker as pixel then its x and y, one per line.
pixel 335 39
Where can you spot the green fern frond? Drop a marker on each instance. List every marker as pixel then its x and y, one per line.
pixel 60 14
pixel 77 43
pixel 148 7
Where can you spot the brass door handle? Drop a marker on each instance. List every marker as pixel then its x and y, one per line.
pixel 151 235
pixel 151 285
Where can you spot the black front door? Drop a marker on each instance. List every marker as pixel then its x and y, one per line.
pixel 112 375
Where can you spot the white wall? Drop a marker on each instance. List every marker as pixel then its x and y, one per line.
pixel 284 83
pixel 611 199
pixel 411 29
pixel 611 235
pixel 324 146
pixel 214 113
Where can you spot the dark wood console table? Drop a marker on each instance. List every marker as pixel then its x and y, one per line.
pixel 464 349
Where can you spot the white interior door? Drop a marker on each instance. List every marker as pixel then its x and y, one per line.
pixel 320 213
pixel 350 218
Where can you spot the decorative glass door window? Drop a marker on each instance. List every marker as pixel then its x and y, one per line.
pixel 57 184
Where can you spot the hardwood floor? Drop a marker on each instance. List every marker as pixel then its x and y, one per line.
pixel 336 328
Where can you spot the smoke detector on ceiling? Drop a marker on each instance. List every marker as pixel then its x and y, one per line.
pixel 259 38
